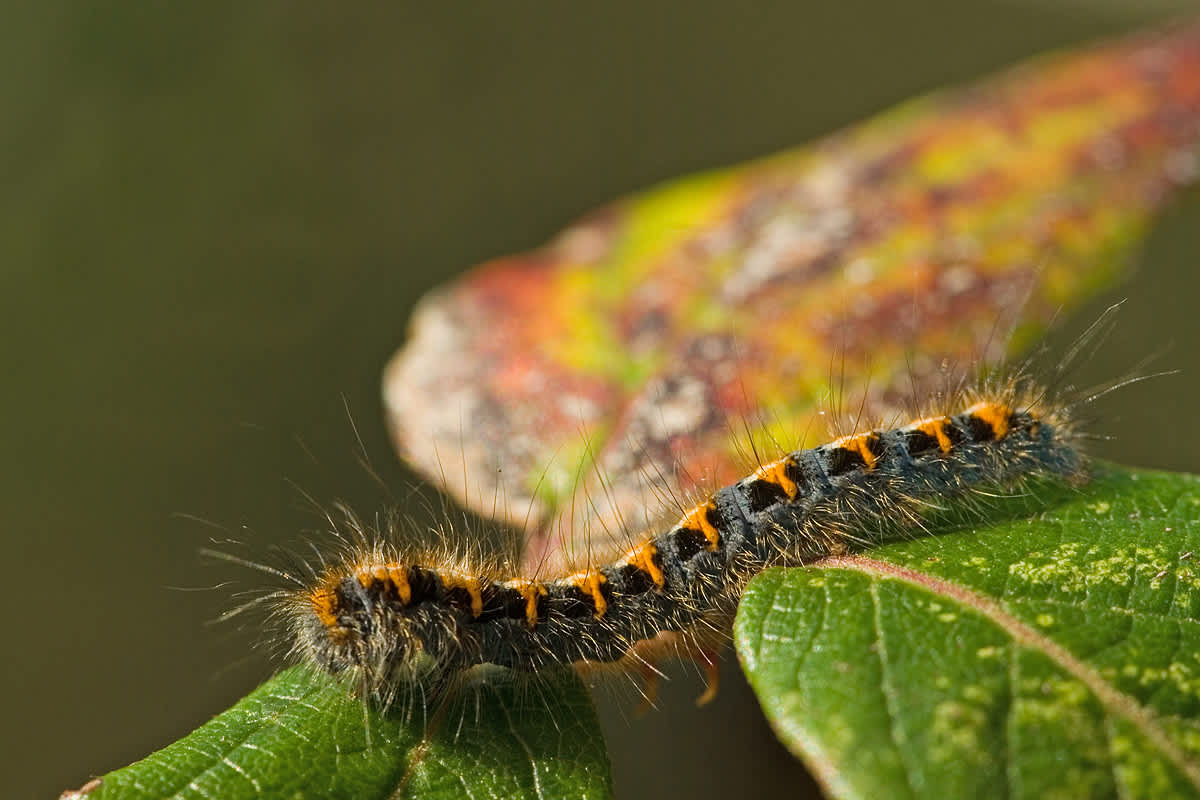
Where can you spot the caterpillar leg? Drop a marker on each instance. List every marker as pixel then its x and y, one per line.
pixel 650 677
pixel 644 657
pixel 710 660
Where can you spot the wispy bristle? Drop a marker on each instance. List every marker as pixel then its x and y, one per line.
pixel 402 622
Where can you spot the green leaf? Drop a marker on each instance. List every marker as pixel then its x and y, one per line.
pixel 1053 655
pixel 303 735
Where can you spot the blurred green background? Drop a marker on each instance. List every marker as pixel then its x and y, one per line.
pixel 216 219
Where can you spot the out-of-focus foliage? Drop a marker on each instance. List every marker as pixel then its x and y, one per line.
pixel 879 255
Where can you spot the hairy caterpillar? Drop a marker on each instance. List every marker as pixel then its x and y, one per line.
pixel 384 618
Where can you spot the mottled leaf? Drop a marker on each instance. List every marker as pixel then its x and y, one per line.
pixel 631 344
pixel 1056 655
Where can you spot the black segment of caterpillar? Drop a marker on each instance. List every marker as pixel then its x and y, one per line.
pixel 382 619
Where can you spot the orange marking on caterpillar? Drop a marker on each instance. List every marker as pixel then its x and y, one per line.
pixel 997 415
pixel 589 583
pixel 324 601
pixel 530 591
pixel 643 559
pixel 398 576
pixel 861 443
pixel 935 427
pixel 775 473
pixel 469 584
pixel 394 575
pixel 697 519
